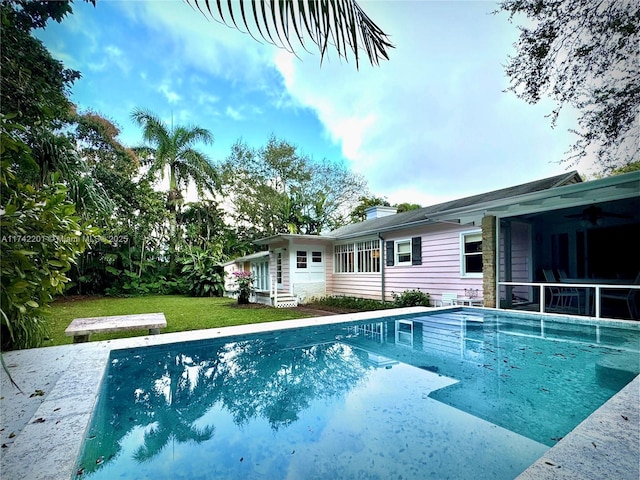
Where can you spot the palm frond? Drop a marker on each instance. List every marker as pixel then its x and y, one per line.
pixel 154 130
pixel 339 23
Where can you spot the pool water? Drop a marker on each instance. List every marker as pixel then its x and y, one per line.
pixel 435 396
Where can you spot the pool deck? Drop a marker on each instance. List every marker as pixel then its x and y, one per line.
pixel 60 387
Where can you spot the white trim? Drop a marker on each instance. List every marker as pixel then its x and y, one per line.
pixel 396 263
pixel 462 236
pixel 356 266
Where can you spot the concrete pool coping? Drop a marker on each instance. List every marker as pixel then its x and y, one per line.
pixel 43 427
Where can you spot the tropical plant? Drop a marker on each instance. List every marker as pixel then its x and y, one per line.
pixel 172 149
pixel 341 25
pixel 41 239
pixel 202 273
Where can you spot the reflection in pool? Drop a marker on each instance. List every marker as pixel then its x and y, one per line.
pixel 435 396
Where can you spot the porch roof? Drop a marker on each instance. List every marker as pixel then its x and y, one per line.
pixel 292 236
pixel 617 187
pixel 247 258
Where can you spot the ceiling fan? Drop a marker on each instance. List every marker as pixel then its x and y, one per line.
pixel 593 215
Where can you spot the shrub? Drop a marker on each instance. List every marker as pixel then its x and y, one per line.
pixel 41 239
pixel 244 282
pixel 411 298
pixel 202 273
pixel 350 303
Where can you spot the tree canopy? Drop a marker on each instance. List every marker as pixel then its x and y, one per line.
pixel 583 54
pixel 275 189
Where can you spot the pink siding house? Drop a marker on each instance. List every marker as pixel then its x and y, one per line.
pixel 494 245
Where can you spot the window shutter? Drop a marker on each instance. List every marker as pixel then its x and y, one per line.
pixel 390 255
pixel 416 251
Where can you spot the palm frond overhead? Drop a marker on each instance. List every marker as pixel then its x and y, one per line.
pixel 341 24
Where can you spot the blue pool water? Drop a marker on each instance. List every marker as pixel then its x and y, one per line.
pixel 438 396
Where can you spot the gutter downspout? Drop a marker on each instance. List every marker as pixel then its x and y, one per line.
pixel 383 262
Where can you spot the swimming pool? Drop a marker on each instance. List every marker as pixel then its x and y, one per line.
pixel 430 396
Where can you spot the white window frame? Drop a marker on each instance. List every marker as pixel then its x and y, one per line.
pixel 279 275
pixel 396 252
pixel 463 254
pixel 351 248
pixel 341 259
pixel 260 271
pixel 365 256
pixel 302 259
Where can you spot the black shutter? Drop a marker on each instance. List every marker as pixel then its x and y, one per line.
pixel 390 255
pixel 416 251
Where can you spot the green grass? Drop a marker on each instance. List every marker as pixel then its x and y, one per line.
pixel 182 314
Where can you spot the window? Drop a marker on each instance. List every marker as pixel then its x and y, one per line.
pixel 301 259
pixel 279 268
pixel 368 256
pixel 404 332
pixel 403 252
pixel 343 258
pixel 471 247
pixel 360 257
pixel 316 257
pixel 260 272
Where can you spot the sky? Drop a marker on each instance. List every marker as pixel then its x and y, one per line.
pixel 431 124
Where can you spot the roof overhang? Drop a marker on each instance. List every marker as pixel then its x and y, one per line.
pixel 284 237
pixel 247 258
pixel 617 187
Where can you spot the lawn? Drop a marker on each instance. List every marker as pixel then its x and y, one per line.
pixel 182 314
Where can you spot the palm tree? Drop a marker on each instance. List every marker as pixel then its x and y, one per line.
pixel 172 149
pixel 340 23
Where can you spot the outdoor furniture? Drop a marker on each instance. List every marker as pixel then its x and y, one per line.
pixel 601 287
pixel 448 299
pixel 471 301
pixel 560 298
pixel 631 297
pixel 81 328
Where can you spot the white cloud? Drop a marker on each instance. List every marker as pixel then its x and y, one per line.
pixel 207 44
pixel 171 95
pixel 433 122
pixel 430 124
pixel 233 113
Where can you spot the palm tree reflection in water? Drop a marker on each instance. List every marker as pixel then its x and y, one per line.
pixel 163 397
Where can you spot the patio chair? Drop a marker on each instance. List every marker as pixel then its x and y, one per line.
pixel 631 297
pixel 560 298
pixel 449 299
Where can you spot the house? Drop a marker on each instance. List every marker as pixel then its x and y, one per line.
pixel 497 243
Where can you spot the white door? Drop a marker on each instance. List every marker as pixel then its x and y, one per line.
pixel 309 271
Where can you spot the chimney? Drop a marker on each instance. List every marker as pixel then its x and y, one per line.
pixel 380 211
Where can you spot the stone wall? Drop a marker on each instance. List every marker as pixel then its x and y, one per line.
pixel 489 260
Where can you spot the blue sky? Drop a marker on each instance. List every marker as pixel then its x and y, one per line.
pixel 431 124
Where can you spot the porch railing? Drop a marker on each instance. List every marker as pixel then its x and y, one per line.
pixel 584 288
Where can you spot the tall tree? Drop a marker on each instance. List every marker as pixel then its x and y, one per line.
pixel 405 207
pixel 171 148
pixel 341 25
pixel 276 190
pixel 34 84
pixel 358 214
pixel 583 54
